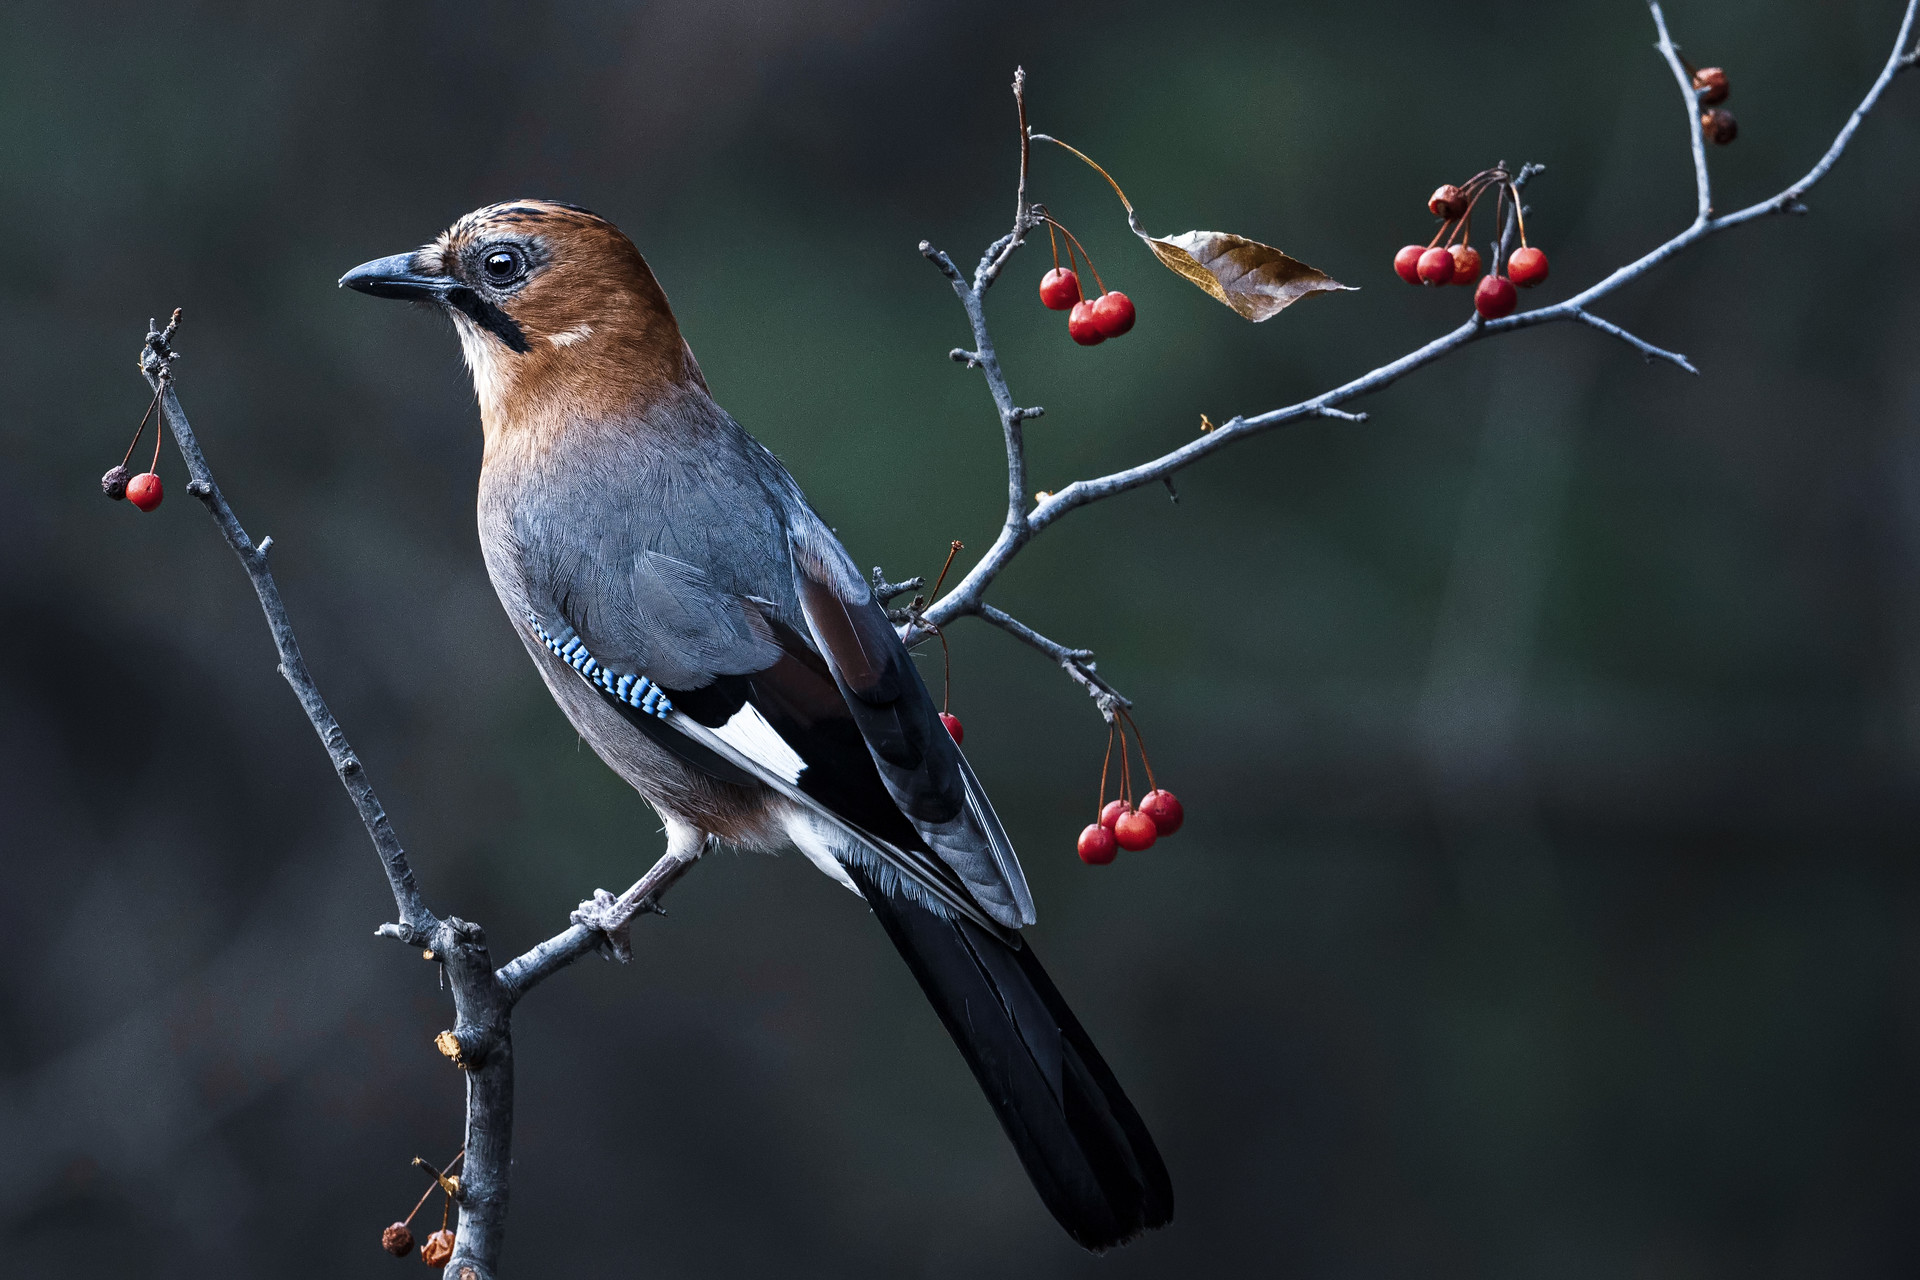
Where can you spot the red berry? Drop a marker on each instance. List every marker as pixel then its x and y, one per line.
pixel 1165 810
pixel 1135 831
pixel 1097 845
pixel 144 491
pixel 1114 811
pixel 1406 263
pixel 1466 264
pixel 1712 83
pixel 1495 297
pixel 397 1240
pixel 1081 326
pixel 1527 267
pixel 1435 266
pixel 1113 314
pixel 1059 289
pixel 1447 201
pixel 954 727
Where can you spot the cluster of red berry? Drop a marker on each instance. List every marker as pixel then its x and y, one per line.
pixel 1121 825
pixel 1718 124
pixel 144 490
pixel 398 1238
pixel 1450 258
pixel 1088 323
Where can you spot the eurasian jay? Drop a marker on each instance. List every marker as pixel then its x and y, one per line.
pixel 705 631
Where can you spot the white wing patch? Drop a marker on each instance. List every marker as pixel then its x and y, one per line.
pixel 750 734
pixel 567 337
pixel 817 841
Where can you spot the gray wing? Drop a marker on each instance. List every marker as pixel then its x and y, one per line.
pixel 719 590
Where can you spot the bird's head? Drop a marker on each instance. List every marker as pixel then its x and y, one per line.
pixel 560 319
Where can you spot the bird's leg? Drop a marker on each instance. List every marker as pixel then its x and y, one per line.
pixel 611 917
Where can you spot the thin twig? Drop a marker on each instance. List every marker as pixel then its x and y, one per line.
pixel 156 363
pixel 480 1042
pixel 1703 184
pixel 1077 663
pixel 1021 526
pixel 1644 347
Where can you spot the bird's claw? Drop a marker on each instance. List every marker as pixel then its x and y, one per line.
pixel 609 917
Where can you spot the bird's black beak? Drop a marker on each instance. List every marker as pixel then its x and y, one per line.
pixel 395 277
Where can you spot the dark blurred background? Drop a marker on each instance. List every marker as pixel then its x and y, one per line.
pixel 1551 742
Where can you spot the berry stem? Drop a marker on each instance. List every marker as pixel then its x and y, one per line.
pixel 1519 213
pixel 1141 740
pixel 1073 242
pixel 1499 221
pixel 952 551
pixel 1053 243
pixel 946 673
pixel 1473 189
pixel 141 430
pixel 1104 764
pixel 1125 203
pixel 437 1176
pixel 158 436
pixel 946 654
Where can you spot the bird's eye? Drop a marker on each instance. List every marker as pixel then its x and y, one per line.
pixel 501 265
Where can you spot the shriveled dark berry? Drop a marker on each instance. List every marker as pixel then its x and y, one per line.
pixel 397 1240
pixel 114 483
pixel 1719 126
pixel 1712 84
pixel 437 1249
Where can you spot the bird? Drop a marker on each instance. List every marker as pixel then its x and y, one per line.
pixel 704 630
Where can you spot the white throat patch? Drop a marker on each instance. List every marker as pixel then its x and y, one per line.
pixel 480 351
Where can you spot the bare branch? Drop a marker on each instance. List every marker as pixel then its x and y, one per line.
pixel 1645 348
pixel 887 592
pixel 602 920
pixel 156 363
pixel 480 1042
pixel 1021 526
pixel 1788 200
pixel 1703 186
pixel 1077 663
pixel 1002 249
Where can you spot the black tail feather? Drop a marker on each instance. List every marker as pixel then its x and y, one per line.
pixel 1085 1147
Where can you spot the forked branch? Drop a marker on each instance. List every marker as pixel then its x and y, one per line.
pixel 1021 524
pixel 480 1042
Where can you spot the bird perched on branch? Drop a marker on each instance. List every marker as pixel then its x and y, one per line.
pixel 704 630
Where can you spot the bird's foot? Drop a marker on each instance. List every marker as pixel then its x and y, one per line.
pixel 612 919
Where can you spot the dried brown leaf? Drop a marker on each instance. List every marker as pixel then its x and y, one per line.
pixel 1255 279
